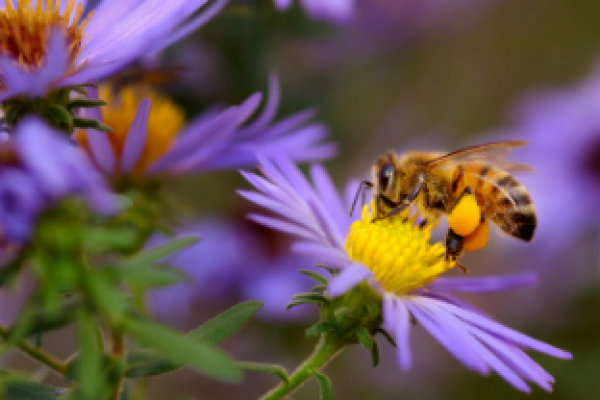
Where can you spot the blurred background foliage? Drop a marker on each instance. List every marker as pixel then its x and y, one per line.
pixel 400 74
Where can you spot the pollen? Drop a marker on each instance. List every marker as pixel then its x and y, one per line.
pixel 25 29
pixel 397 251
pixel 164 122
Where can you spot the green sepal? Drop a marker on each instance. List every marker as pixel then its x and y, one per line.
pixel 387 336
pixel 145 362
pixel 272 369
pixel 60 117
pixel 12 112
pixel 364 337
pixel 326 390
pixel 85 103
pixel 343 313
pixel 318 289
pixel 295 303
pixel 311 298
pixel 181 349
pixel 375 354
pixel 85 123
pixel 320 328
pixel 319 278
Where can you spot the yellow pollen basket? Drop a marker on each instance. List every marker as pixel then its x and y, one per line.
pixel 164 123
pixel 24 30
pixel 396 251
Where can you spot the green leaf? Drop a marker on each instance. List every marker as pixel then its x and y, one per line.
pixel 314 276
pixel 144 277
pixel 325 386
pixel 147 363
pixel 16 388
pixel 182 349
pixel 157 253
pixel 272 369
pixel 364 338
pixel 319 328
pixel 105 296
pixel 89 369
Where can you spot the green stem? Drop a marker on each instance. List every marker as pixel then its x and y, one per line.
pixel 39 354
pixel 118 347
pixel 327 348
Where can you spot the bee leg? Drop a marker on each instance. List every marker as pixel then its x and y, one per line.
pixel 361 189
pixel 408 200
pixel 454 245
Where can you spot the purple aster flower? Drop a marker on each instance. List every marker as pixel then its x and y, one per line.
pixel 39 168
pixel 148 136
pixel 563 130
pixel 327 10
pixel 234 260
pixel 401 265
pixel 47 45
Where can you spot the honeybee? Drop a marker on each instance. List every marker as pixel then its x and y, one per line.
pixel 444 183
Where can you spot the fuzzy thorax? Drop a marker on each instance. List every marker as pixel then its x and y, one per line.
pixel 396 251
pixel 25 29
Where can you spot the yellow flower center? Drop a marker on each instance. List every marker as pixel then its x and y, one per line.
pixel 24 30
pixel 397 252
pixel 164 123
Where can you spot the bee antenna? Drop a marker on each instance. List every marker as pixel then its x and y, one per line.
pixel 361 188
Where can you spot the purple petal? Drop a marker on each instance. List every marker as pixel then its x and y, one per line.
pixel 136 136
pixel 397 320
pixel 508 334
pixel 484 284
pixel 281 225
pixel 351 276
pixel 331 256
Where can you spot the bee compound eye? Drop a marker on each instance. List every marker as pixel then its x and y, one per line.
pixel 386 175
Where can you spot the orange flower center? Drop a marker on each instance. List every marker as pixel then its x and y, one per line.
pixel 24 30
pixel 164 123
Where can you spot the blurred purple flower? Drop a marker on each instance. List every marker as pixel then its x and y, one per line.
pixel 232 261
pixel 61 50
pixel 319 216
pixel 327 10
pixel 212 141
pixel 563 130
pixel 41 168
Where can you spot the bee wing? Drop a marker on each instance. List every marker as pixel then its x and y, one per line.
pixel 492 153
pixel 514 167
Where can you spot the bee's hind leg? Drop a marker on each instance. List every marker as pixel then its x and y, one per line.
pixel 454 248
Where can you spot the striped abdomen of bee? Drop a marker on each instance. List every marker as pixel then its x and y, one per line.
pixel 501 198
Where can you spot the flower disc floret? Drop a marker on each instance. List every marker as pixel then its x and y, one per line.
pixel 396 251
pixel 25 30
